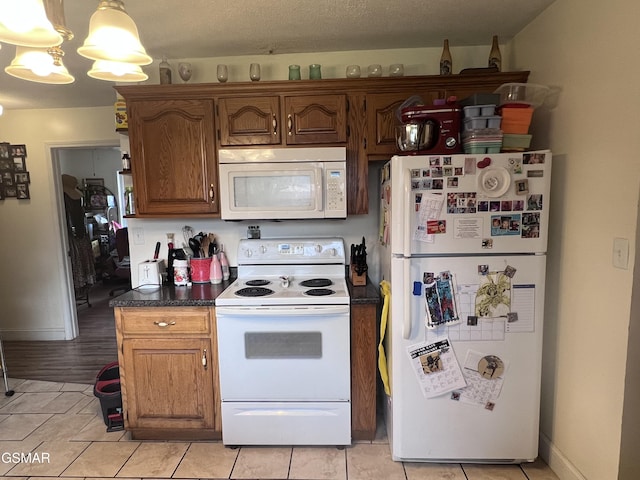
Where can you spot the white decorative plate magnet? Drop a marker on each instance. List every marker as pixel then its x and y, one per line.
pixel 494 182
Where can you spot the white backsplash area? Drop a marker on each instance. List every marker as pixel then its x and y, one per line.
pixel 144 234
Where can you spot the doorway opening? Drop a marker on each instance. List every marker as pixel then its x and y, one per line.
pixel 95 166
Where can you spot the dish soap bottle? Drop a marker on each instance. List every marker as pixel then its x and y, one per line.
pixel 215 274
pixel 224 264
pixel 446 63
pixel 495 57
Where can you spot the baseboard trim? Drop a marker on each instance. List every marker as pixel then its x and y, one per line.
pixel 556 460
pixel 33 335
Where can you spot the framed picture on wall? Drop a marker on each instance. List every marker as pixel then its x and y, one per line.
pixel 7 178
pixel 4 150
pixel 10 191
pixel 19 164
pixel 22 177
pixel 5 164
pixel 22 191
pixel 18 150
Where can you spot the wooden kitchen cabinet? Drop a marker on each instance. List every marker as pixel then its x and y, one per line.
pixel 282 120
pixel 173 156
pixel 173 134
pixel 364 368
pixel 168 372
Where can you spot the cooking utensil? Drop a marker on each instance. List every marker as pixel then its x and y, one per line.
pixel 195 247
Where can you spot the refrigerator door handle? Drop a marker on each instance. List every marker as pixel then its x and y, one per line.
pixel 406 317
pixel 406 220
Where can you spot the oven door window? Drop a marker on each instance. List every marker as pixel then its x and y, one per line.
pixel 283 345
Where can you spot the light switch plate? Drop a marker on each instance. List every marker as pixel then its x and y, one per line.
pixel 621 253
pixel 138 236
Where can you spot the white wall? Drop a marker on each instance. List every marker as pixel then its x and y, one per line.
pixel 34 282
pixel 584 47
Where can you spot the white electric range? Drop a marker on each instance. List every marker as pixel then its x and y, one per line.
pixel 284 344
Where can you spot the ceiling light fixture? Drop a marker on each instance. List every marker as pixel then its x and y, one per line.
pixel 44 65
pixel 25 23
pixel 117 71
pixel 113 36
pixel 113 42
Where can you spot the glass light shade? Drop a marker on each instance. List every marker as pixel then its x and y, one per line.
pixel 36 65
pixel 117 71
pixel 25 23
pixel 113 36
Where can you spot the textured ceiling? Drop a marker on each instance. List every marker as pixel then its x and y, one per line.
pixel 215 28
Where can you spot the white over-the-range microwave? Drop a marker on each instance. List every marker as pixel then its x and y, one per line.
pixel 283 183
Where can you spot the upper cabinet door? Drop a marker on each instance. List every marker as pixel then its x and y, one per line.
pixel 173 162
pixel 316 119
pixel 382 118
pixel 249 121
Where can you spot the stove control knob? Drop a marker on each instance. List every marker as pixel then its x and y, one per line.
pixel 248 253
pixel 333 252
pixel 318 248
pixel 263 249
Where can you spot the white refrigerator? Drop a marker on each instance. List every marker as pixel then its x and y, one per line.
pixel 465 239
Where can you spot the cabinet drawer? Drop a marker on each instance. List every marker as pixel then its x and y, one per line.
pixel 158 321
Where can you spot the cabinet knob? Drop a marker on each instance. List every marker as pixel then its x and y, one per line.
pixel 290 124
pixel 163 324
pixel 212 193
pixel 275 124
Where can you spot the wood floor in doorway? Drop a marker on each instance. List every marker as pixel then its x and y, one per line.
pixel 69 361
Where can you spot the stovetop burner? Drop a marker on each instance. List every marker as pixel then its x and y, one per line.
pixel 258 282
pixel 319 292
pixel 254 292
pixel 316 282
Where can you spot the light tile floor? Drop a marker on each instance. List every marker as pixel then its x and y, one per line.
pixel 59 428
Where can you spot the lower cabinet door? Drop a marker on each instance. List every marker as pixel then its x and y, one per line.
pixel 169 383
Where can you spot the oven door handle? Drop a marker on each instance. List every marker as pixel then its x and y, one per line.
pixel 282 310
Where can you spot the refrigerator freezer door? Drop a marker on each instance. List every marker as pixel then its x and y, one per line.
pixel 448 430
pixel 470 204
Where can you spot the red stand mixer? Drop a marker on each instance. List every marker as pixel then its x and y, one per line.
pixel 430 129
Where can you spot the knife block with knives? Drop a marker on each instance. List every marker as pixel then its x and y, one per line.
pixel 358 264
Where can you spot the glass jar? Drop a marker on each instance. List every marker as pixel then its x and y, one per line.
pixel 314 72
pixel 294 72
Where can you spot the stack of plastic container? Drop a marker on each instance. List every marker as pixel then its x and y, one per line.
pixel 517 103
pixel 482 132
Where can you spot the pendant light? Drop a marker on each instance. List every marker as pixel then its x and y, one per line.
pixel 25 23
pixel 113 36
pixel 117 71
pixel 42 65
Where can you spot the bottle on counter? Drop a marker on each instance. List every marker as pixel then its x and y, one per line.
pixel 215 274
pixel 446 64
pixel 224 264
pixel 495 57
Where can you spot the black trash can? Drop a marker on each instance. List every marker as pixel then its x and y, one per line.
pixel 107 389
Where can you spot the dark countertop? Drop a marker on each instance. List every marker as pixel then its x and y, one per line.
pixel 197 295
pixel 369 293
pixel 205 294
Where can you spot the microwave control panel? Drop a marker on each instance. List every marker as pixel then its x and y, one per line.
pixel 336 192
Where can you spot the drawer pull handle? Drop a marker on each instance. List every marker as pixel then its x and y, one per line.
pixel 164 324
pixel 204 359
